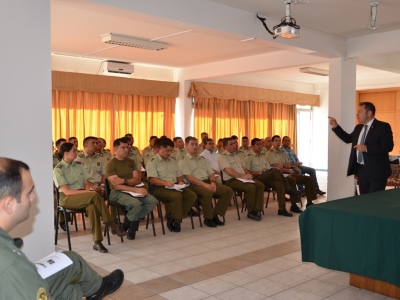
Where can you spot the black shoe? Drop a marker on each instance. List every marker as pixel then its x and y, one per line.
pixel 319 192
pixel 110 284
pixel 98 246
pixel 118 231
pixel 218 221
pixel 63 227
pixel 303 194
pixel 284 212
pixel 170 222
pixel 309 204
pixel 294 192
pixel 133 227
pixel 126 224
pixel 176 227
pixel 294 208
pixel 254 215
pixel 210 223
pixel 287 199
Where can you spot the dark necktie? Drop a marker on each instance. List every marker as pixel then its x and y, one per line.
pixel 362 141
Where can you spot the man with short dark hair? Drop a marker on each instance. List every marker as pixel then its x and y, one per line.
pixel 297 166
pixel 163 172
pixel 102 151
pixel 245 149
pixel 234 171
pixel 56 157
pixel 123 175
pixel 19 278
pixel 267 145
pixel 74 141
pixel 258 166
pixel 277 158
pixel 94 164
pixel 179 150
pixel 202 178
pixel 371 141
pixel 149 148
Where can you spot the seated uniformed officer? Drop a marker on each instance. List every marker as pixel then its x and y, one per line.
pixel 279 159
pixel 149 148
pixel 19 278
pixel 94 164
pixel 259 167
pixel 163 171
pixel 70 177
pixel 233 167
pixel 56 156
pixel 196 170
pixel 179 150
pixel 245 150
pixel 100 149
pixel 123 175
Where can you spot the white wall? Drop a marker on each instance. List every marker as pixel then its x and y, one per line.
pixel 25 114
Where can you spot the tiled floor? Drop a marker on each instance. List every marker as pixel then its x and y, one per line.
pixel 243 260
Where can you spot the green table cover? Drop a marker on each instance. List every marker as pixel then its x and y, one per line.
pixel 359 235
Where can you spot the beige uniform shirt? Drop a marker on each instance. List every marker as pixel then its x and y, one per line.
pixel 230 160
pixel 164 169
pixel 136 156
pixel 256 162
pixel 195 166
pixel 244 151
pixel 146 150
pixel 147 157
pixel 277 157
pixel 179 154
pixel 73 175
pixel 264 150
pixel 95 166
pixel 106 154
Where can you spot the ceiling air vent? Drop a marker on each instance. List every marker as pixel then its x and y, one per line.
pixel 130 41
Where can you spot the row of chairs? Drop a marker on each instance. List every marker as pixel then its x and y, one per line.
pixel 150 217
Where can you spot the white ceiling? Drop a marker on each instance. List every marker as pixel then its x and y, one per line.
pixel 200 32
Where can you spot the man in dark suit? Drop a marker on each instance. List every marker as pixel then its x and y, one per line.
pixel 372 140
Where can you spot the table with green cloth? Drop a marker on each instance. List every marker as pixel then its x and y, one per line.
pixel 359 235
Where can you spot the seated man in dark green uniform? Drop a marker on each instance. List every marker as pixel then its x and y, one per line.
pixel 19 278
pixel 163 172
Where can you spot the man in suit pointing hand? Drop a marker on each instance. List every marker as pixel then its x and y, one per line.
pixel 372 140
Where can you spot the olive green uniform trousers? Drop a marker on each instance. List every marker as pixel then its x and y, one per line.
pixel 95 208
pixel 253 193
pixel 204 195
pixel 179 202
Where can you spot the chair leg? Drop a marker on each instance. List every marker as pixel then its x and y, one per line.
pixel 68 233
pixel 152 223
pixel 76 223
pixel 83 221
pixel 198 212
pixel 159 208
pixel 237 205
pixel 56 227
pixel 191 218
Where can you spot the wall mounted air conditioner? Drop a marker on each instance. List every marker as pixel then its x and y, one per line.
pixel 117 67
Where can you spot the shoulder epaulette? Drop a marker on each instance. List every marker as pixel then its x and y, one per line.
pixel 78 162
pixel 135 148
pixel 152 158
pixel 59 166
pixel 81 155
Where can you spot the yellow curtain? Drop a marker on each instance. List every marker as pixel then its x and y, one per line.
pixel 110 116
pixel 222 118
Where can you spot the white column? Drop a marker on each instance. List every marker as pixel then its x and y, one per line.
pixel 25 113
pixel 342 98
pixel 184 111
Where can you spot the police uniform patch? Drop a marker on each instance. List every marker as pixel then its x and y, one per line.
pixel 41 294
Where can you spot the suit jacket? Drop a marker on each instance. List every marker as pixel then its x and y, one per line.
pixel 379 142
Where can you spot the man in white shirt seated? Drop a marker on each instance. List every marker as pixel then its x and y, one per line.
pixel 211 157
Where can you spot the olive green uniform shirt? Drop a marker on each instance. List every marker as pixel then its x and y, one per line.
pixel 95 166
pixel 195 166
pixel 56 161
pixel 73 175
pixel 179 154
pixel 122 168
pixel 164 169
pixel 19 277
pixel 256 162
pixel 230 160
pixel 277 157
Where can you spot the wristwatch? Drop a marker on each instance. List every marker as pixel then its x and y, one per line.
pixel 126 181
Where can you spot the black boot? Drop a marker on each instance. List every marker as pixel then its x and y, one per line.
pixel 133 227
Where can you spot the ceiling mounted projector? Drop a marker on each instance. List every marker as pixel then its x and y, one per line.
pixel 130 41
pixel 287 28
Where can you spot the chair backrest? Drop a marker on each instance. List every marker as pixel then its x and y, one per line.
pixel 56 193
pixel 222 177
